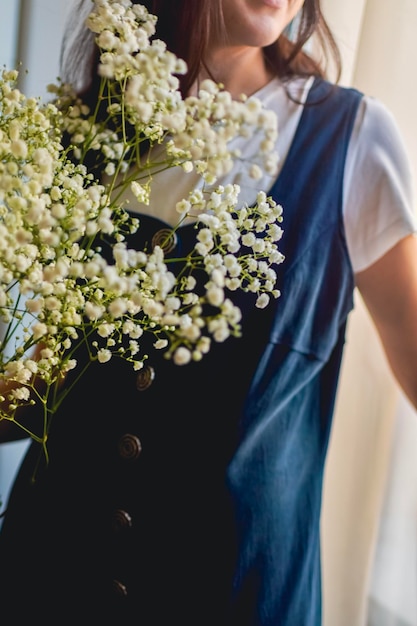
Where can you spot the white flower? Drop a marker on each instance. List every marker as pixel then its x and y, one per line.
pixel 117 308
pixel 160 344
pixel 262 301
pixel 104 355
pixel 68 274
pixel 19 149
pixel 182 356
pixel 21 393
pixel 140 192
pixel 105 329
pixel 93 311
pixel 255 171
pixel 39 329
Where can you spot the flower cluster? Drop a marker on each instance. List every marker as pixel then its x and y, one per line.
pixel 57 288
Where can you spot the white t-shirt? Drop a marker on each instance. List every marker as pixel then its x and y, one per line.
pixel 378 199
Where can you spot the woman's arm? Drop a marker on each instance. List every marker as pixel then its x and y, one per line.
pixel 389 290
pixel 9 430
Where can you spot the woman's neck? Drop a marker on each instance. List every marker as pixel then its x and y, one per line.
pixel 241 70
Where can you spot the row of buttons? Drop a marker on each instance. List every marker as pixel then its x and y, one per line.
pixel 130 446
pixel 129 449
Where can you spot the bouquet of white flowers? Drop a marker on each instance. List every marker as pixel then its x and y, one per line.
pixel 57 289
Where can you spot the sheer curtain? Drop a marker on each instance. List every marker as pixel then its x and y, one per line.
pixel 369 522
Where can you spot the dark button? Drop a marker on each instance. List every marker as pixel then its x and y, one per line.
pixel 119 588
pixel 129 447
pixel 121 520
pixel 165 239
pixel 145 378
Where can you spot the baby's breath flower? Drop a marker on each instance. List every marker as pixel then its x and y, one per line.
pixel 262 301
pixel 141 192
pixel 104 355
pixel 182 356
pixel 160 344
pixel 61 284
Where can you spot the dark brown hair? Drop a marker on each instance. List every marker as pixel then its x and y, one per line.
pixel 187 26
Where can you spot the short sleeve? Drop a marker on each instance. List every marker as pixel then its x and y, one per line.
pixel 378 197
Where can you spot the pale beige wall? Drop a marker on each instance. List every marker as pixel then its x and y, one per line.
pixel 345 20
pixel 387 62
pixel 376 38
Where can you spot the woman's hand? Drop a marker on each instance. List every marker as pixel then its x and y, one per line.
pixel 9 430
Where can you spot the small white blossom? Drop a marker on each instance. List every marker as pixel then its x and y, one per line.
pixel 262 301
pixel 104 355
pixel 160 344
pixel 182 356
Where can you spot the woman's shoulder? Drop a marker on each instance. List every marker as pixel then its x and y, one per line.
pixel 378 136
pixel 378 185
pixel 377 119
pixel 376 129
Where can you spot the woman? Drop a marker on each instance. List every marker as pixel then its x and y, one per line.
pixel 192 495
